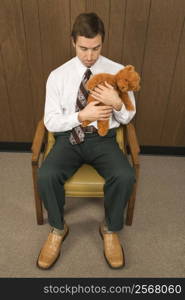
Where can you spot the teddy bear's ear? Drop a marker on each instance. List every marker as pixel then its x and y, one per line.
pixel 130 68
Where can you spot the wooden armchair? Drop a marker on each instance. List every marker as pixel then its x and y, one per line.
pixel 86 182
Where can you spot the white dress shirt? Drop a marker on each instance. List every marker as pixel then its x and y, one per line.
pixel 61 94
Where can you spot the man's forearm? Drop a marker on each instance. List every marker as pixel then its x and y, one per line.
pixel 59 122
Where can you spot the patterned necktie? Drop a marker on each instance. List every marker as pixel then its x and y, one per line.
pixel 77 134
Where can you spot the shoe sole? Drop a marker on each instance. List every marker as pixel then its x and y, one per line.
pixel 114 268
pixel 42 268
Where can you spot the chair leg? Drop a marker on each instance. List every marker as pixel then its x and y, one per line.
pixel 131 202
pixel 130 207
pixel 38 201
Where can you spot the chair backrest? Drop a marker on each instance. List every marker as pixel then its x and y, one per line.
pixel 120 138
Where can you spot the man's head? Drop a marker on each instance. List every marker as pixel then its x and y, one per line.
pixel 87 37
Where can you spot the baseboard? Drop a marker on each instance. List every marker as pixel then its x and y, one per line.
pixel 158 150
pixel 15 147
pixel 151 150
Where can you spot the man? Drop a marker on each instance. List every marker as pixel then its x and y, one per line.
pixel 65 109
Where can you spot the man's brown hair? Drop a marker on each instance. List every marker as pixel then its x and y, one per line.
pixel 88 25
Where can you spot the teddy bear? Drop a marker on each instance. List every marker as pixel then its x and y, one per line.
pixel 127 79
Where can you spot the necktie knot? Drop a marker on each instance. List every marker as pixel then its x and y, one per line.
pixel 87 74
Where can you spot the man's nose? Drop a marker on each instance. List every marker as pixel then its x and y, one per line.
pixel 89 55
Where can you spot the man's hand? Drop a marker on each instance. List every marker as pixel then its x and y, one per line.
pixel 107 95
pixel 92 112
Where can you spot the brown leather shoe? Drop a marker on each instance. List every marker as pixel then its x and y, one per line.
pixel 113 250
pixel 50 252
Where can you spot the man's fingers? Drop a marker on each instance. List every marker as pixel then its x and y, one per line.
pixel 99 88
pixel 105 108
pixel 108 85
pixel 96 93
pixel 105 115
pixel 95 102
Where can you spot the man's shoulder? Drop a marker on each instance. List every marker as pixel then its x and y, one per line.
pixel 65 68
pixel 111 65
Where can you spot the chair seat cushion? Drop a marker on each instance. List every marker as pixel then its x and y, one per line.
pixel 86 182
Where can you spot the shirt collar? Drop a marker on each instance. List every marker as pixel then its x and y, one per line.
pixel 81 68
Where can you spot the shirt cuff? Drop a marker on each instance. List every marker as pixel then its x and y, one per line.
pixel 76 120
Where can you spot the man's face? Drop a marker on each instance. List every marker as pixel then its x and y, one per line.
pixel 88 49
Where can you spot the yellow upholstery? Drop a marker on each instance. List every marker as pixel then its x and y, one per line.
pixel 86 182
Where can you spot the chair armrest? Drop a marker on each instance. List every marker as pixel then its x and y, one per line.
pixel 37 142
pixel 133 143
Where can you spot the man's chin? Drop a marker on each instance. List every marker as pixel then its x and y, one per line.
pixel 89 64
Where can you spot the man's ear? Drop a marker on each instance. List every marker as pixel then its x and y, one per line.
pixel 73 42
